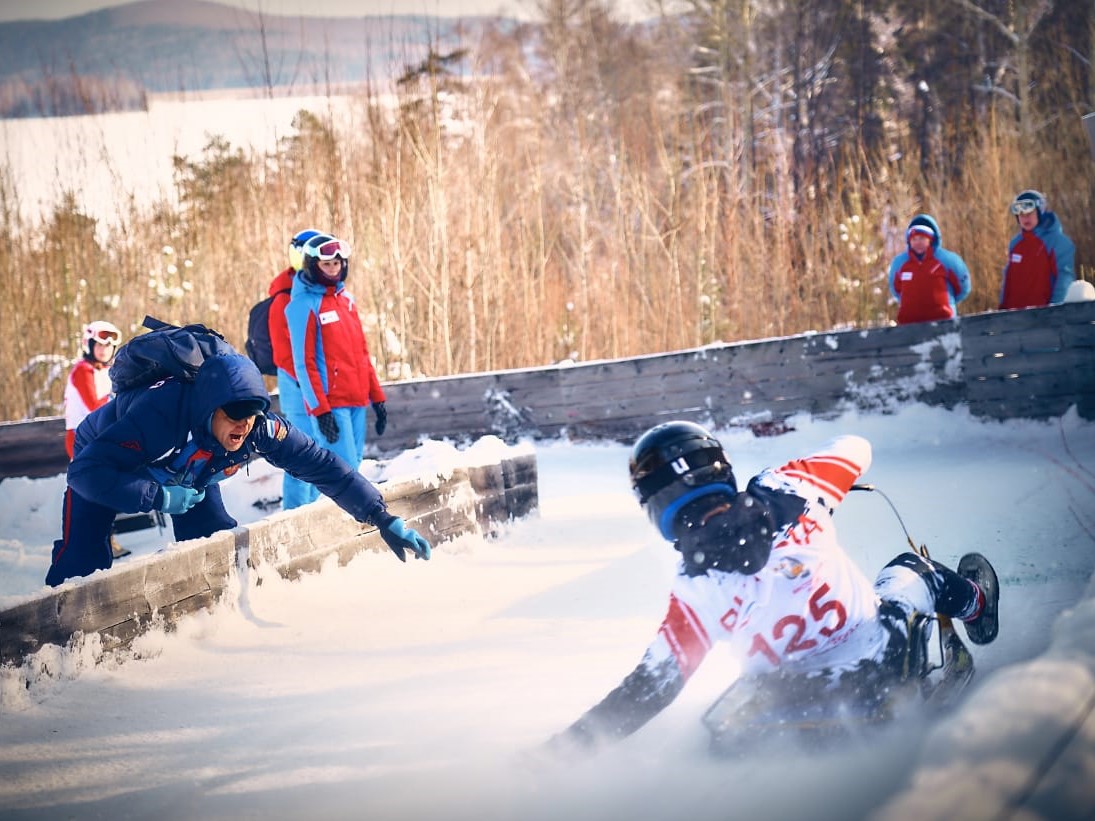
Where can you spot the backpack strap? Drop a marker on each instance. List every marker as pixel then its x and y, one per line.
pixel 154 324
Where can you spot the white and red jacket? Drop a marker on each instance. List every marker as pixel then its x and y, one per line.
pixel 810 607
pixel 87 389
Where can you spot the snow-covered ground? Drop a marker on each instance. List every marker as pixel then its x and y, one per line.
pixel 415 691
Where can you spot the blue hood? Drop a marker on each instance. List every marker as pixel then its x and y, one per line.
pixel 929 221
pixel 223 379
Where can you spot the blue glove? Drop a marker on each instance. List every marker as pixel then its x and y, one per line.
pixel 400 538
pixel 178 499
pixel 328 426
pixel 381 417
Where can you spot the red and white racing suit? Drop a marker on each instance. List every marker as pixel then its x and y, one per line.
pixel 810 608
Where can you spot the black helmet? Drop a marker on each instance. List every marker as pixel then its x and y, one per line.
pixel 674 463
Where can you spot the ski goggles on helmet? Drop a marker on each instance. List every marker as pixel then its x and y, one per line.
pixel 1024 207
pixel 330 249
pixel 105 337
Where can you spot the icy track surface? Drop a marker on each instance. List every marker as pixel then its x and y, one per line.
pixel 390 691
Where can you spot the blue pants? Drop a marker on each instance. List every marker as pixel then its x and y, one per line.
pixel 84 546
pixel 351 435
pixel 294 492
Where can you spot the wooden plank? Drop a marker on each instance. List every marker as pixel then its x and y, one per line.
pixel 1038 340
pixel 1049 363
pixel 1079 336
pixel 1028 407
pixel 1020 321
pixel 34 449
pixel 1001 387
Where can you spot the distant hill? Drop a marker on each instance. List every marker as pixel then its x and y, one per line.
pixel 112 58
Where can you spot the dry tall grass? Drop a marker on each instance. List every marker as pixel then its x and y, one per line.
pixel 518 234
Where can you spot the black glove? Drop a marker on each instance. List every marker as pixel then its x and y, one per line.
pixel 328 426
pixel 381 417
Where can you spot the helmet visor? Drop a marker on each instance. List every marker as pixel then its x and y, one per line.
pixel 1024 207
pixel 695 468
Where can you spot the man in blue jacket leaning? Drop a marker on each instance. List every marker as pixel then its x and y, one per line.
pixel 166 447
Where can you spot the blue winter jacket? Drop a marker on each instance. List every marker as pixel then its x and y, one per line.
pixel 162 435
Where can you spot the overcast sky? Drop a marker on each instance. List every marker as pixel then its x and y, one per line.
pixel 57 9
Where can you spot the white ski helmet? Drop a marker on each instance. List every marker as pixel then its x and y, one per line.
pixel 102 332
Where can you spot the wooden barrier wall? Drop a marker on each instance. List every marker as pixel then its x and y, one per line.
pixel 120 603
pixel 1014 364
pixel 1034 363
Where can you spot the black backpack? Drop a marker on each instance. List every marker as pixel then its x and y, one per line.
pixel 166 350
pixel 258 343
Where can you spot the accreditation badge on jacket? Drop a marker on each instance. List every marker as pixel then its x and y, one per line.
pixel 327 317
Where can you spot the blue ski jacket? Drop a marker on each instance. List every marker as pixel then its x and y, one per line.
pixel 162 435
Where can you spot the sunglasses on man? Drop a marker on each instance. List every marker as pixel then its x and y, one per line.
pixel 1024 207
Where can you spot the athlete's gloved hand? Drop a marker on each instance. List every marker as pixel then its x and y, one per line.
pixel 572 744
pixel 381 417
pixel 178 499
pixel 328 426
pixel 401 538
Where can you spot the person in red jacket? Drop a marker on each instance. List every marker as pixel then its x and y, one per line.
pixel 927 280
pixel 1041 258
pixel 330 356
pixel 88 386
